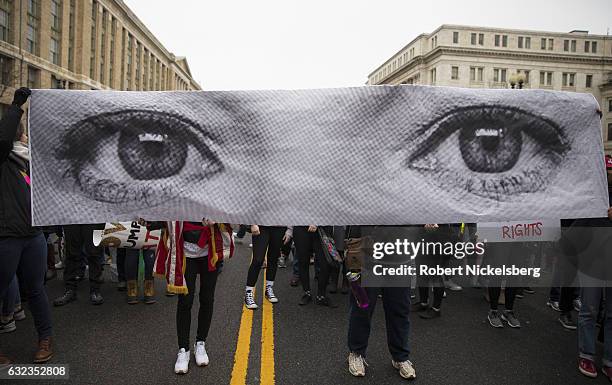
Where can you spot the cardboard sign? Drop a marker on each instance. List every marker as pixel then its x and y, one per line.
pixel 545 230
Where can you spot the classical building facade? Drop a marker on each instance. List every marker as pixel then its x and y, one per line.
pixel 464 56
pixel 83 44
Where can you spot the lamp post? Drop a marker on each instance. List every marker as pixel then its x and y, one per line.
pixel 517 79
pixel 513 80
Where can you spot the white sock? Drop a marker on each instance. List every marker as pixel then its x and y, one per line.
pixel 269 283
pixel 249 288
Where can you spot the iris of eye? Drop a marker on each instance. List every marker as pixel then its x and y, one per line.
pixel 151 159
pixel 490 150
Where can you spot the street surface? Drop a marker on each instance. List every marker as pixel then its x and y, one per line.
pixel 118 343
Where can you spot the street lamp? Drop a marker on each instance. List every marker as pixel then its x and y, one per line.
pixel 517 79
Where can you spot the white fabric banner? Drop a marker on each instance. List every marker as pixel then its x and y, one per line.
pixel 126 235
pixel 380 155
pixel 545 230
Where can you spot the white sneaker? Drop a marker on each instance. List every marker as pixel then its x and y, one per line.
pixel 201 356
pixel 357 364
pixel 8 326
pixel 406 370
pixel 182 362
pixel 59 265
pixel 270 294
pixel 249 300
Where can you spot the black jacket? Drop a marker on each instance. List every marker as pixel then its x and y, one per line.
pixel 15 212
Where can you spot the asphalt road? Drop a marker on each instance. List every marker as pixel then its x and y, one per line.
pixel 118 343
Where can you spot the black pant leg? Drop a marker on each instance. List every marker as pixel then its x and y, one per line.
pixel 121 265
pixel 132 257
pixel 396 302
pixel 303 249
pixel 260 246
pixel 208 282
pixel 360 322
pixel 274 248
pixel 509 296
pixel 185 302
pixel 74 244
pixel 323 265
pixel 94 255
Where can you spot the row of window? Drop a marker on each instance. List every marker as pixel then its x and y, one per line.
pixel 524 42
pixel 151 76
pixel 500 75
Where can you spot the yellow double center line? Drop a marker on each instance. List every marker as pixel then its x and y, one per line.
pixel 243 346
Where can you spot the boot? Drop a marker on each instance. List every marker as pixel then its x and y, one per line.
pixel 68 296
pixel 149 292
pixel 132 292
pixel 44 352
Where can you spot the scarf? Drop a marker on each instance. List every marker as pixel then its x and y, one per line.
pixel 21 150
pixel 170 256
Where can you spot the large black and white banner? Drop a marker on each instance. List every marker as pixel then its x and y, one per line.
pixel 363 155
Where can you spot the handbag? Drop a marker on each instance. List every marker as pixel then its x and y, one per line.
pixel 329 248
pixel 356 250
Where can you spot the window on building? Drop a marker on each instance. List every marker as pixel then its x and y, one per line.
pixel 54 51
pixel 593 47
pixel 433 76
pixel 71 36
pixel 33 77
pixel 524 42
pixel 568 79
pixel 587 46
pixel 455 37
pixel 5 20
pixel 566 45
pixel 481 39
pixel 129 62
pixel 528 42
pixel 94 40
pixel 56 14
pixel 6 65
pixel 573 46
pixel 33 25
pixel 499 75
pixel 455 73
pixel 520 42
pixel 56 83
pixel 527 74
pixel 609 132
pixel 546 78
pixel 497 40
pixel 476 74
pixel 610 105
pixel 473 38
pixel 111 60
pixel 588 81
pixel 550 44
pixel 543 43
pixel 504 40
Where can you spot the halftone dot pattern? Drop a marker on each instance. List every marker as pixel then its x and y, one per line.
pixel 383 155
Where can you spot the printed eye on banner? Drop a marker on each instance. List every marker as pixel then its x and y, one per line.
pixel 493 151
pixel 137 155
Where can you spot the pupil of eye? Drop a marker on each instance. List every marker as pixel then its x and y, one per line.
pixel 490 153
pixel 147 160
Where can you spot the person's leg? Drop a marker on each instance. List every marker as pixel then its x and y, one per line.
pixel 73 244
pixel 303 249
pixel 587 320
pixel 494 292
pixel 149 284
pixel 607 326
pixel 94 256
pixel 424 295
pixel 438 296
pixel 323 266
pixel 121 267
pixel 9 300
pixel 260 246
pixel 33 267
pixel 396 302
pixel 184 304
pixel 509 296
pixel 241 231
pixel 274 250
pixel 208 282
pixel 360 323
pixel 132 258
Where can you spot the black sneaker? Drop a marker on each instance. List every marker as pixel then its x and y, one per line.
pixel 509 317
pixel 567 321
pixel 68 296
pixel 430 313
pixel 494 319
pixel 95 297
pixel 325 301
pixel 419 307
pixel 306 299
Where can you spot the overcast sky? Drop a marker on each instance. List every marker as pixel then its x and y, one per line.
pixel 271 44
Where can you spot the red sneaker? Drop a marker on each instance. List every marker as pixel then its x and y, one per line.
pixel 607 371
pixel 587 367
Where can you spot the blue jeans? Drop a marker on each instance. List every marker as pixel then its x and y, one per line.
pixel 587 319
pixel 11 298
pixel 29 256
pixel 396 303
pixel 132 257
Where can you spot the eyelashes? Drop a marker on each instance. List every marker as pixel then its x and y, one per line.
pixel 490 151
pixel 137 156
